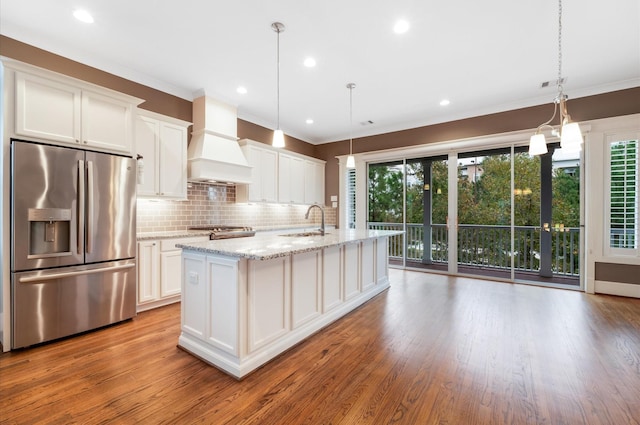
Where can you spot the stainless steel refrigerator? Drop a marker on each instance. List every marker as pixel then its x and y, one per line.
pixel 73 241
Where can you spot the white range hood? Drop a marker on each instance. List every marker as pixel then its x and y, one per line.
pixel 214 154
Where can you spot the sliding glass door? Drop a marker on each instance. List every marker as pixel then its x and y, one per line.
pixel 509 216
pixel 483 221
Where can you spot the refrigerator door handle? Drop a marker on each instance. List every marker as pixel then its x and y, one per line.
pixel 90 206
pixel 52 276
pixel 80 230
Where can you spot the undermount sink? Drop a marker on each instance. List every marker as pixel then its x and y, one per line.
pixel 303 234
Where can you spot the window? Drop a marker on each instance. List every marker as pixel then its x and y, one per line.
pixel 351 198
pixel 623 194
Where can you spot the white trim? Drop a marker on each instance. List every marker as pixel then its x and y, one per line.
pixel 616 288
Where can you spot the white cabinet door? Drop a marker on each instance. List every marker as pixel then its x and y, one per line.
pixel 106 122
pixel 264 175
pixel 297 180
pixel 148 145
pixel 47 109
pixel 290 179
pixel 173 161
pixel 284 178
pixel 147 271
pixel 313 182
pixel 269 175
pixel 163 145
pixel 170 272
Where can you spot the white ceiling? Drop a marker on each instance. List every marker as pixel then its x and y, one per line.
pixel 485 56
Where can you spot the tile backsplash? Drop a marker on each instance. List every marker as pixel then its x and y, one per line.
pixel 215 204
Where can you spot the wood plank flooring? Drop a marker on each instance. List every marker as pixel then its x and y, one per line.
pixel 431 350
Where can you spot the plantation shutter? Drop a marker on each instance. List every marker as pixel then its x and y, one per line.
pixel 351 198
pixel 623 201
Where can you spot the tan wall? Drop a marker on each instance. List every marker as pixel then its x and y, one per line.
pixel 606 105
pixel 155 100
pixel 618 103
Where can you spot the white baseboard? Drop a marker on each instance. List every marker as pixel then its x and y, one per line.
pixel 616 288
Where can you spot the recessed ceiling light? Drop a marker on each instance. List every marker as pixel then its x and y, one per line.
pixel 309 62
pixel 242 90
pixel 83 16
pixel 309 121
pixel 444 102
pixel 401 27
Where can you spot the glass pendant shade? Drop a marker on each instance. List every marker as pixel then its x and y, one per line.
pixel 537 144
pixel 278 139
pixel 571 138
pixel 351 162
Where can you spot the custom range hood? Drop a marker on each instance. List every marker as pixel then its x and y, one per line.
pixel 214 154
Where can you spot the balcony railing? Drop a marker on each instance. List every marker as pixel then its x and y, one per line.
pixel 489 247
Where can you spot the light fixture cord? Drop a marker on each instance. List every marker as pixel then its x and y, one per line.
pixel 560 93
pixel 278 76
pixel 350 119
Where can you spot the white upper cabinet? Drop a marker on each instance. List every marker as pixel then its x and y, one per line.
pixel 290 179
pixel 313 182
pixel 47 109
pixel 280 176
pixel 106 122
pixel 53 108
pixel 264 173
pixel 162 143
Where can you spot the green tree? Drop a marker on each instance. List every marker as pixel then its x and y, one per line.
pixel 566 198
pixel 415 192
pixel 385 193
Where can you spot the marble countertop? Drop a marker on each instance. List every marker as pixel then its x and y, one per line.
pixel 268 246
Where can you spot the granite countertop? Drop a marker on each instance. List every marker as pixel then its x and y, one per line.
pixel 174 234
pixel 268 246
pixel 171 234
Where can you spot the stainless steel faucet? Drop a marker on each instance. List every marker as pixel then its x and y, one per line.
pixel 306 216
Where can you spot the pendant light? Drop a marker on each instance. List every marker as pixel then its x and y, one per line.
pixel 569 132
pixel 351 162
pixel 278 135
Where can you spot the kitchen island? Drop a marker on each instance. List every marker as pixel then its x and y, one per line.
pixel 247 300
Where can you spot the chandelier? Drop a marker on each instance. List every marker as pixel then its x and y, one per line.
pixel 569 132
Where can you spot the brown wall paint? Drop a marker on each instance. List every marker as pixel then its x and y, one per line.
pixel 606 105
pixel 248 130
pixel 623 273
pixel 155 100
pixel 618 103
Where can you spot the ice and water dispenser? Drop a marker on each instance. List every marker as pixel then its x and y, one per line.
pixel 49 232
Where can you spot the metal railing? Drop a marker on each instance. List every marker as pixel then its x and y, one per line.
pixel 489 246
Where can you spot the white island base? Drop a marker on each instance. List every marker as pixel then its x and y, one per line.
pixel 238 313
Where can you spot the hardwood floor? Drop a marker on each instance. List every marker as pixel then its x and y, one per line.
pixel 431 350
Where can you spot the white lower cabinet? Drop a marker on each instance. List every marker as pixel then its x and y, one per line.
pixel 239 313
pixel 160 271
